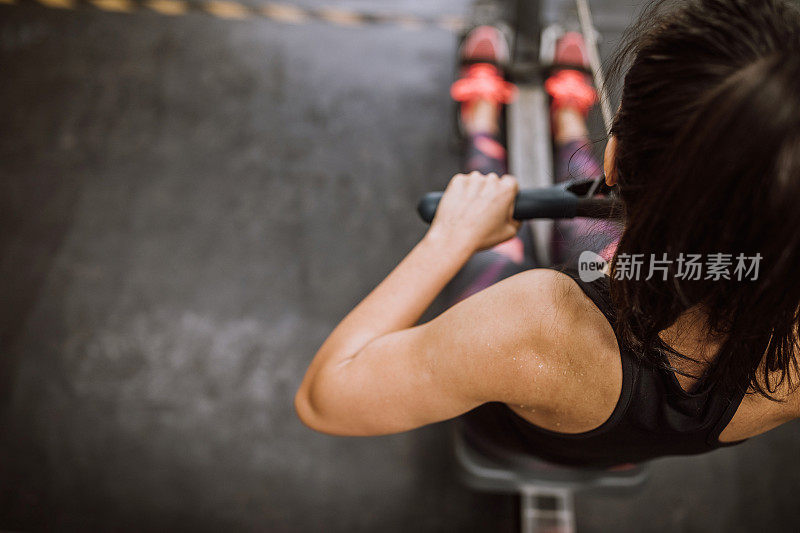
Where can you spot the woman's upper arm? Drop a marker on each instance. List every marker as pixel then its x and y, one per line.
pixel 502 344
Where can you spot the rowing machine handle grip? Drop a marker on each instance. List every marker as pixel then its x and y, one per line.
pixel 552 202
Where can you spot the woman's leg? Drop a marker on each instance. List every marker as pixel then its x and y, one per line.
pixel 486 153
pixel 572 98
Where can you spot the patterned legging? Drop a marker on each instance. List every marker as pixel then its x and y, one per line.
pixel 486 154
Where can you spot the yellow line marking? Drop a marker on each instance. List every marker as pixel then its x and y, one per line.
pixel 341 17
pixel 276 11
pixel 409 23
pixel 58 4
pixel 120 6
pixel 450 23
pixel 168 7
pixel 226 9
pixel 284 13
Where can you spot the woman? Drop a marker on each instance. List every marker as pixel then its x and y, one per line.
pixel 705 151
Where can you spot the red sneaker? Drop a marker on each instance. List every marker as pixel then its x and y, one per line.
pixel 483 52
pixel 570 87
pixel 485 43
pixel 571 51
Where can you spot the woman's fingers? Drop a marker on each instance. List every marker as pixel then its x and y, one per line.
pixel 480 184
pixel 510 181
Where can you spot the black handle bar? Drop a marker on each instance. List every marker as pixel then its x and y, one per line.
pixel 557 202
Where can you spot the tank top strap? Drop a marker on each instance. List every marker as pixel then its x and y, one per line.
pixel 597 290
pixel 727 410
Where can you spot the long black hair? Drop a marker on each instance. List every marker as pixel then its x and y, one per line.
pixel 708 162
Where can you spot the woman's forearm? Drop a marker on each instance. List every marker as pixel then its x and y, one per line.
pixel 398 301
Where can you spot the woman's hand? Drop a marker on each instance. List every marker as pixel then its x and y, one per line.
pixel 477 210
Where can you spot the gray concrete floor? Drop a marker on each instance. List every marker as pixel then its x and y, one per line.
pixel 187 207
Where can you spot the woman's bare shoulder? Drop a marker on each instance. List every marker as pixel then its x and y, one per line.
pixel 565 303
pixel 571 342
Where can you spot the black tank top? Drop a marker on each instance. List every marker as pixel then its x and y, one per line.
pixel 654 416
